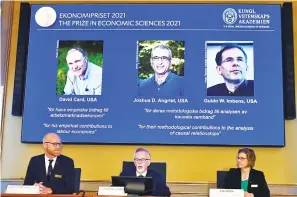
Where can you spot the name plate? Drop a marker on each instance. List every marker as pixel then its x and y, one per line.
pixel 22 189
pixel 226 193
pixel 114 191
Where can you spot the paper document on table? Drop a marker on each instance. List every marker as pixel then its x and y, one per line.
pixel 22 189
pixel 226 193
pixel 112 190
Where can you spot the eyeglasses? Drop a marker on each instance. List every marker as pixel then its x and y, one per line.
pixel 163 58
pixel 240 158
pixel 55 144
pixel 230 59
pixel 142 160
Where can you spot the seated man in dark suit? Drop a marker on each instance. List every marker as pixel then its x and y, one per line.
pixel 142 160
pixel 246 177
pixel 53 172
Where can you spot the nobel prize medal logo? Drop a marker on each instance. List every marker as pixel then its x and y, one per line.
pixel 45 16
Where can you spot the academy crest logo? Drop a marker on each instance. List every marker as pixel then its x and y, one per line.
pixel 229 16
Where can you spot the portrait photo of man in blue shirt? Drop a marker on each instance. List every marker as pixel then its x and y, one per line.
pixel 83 77
pixel 232 66
pixel 163 82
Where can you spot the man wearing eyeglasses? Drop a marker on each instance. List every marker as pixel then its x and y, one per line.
pixel 163 82
pixel 142 161
pixel 51 171
pixel 232 65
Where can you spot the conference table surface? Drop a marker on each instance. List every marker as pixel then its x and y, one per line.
pixel 48 195
pixel 95 195
pixel 57 195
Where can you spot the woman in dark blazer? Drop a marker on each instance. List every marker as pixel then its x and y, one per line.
pixel 245 177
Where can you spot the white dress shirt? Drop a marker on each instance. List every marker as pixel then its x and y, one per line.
pixel 143 174
pixel 47 162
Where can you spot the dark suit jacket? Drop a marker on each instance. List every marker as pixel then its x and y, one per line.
pixel 62 177
pixel 159 184
pixel 245 89
pixel 256 183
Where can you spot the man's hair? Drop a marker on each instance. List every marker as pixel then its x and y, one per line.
pixel 162 47
pixel 46 135
pixel 84 54
pixel 251 156
pixel 227 47
pixel 143 150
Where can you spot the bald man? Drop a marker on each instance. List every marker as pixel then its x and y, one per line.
pixel 53 172
pixel 83 77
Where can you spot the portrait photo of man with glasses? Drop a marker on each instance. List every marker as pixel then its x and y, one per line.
pixel 230 73
pixel 161 69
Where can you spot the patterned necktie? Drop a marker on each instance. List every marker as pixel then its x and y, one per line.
pixel 49 169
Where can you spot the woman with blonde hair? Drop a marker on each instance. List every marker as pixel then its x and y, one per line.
pixel 246 177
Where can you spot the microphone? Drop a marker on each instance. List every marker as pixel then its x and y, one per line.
pixel 83 193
